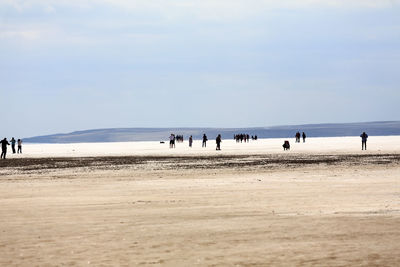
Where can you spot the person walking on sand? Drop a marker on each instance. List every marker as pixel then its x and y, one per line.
pixel 304 137
pixel 204 144
pixel 13 141
pixel 364 138
pixel 4 144
pixel 190 141
pixel 218 140
pixel 19 146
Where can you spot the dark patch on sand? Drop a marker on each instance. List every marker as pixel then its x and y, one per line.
pixel 268 161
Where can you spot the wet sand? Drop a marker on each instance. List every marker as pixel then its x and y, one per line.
pixel 246 210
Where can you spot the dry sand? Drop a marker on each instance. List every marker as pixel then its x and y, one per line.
pixel 308 207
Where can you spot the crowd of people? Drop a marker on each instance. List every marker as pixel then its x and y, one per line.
pixel 218 140
pixel 240 138
pixel 179 138
pixel 5 143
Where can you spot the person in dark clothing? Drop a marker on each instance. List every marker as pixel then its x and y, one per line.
pixel 13 141
pixel 4 144
pixel 190 141
pixel 19 146
pixel 304 137
pixel 218 140
pixel 297 137
pixel 364 138
pixel 286 145
pixel 204 140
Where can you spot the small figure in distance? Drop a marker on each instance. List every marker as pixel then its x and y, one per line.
pixel 190 141
pixel 364 138
pixel 297 137
pixel 304 137
pixel 172 141
pixel 19 146
pixel 13 141
pixel 4 144
pixel 204 144
pixel 218 140
pixel 286 145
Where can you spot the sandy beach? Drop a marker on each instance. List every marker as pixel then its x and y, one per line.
pixel 323 203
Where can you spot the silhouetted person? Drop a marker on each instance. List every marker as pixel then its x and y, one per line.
pixel 286 145
pixel 13 141
pixel 364 138
pixel 297 137
pixel 218 140
pixel 172 141
pixel 204 144
pixel 190 141
pixel 304 137
pixel 4 144
pixel 19 146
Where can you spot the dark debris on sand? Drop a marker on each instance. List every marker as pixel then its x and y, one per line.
pixel 270 161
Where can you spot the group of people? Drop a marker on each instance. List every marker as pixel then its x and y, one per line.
pixel 173 138
pixel 179 138
pixel 242 137
pixel 218 140
pixel 286 144
pixel 298 136
pixel 5 143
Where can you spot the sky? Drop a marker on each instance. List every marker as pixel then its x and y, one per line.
pixel 69 65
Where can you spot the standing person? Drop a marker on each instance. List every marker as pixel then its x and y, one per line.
pixel 190 141
pixel 304 137
pixel 218 140
pixel 4 144
pixel 204 144
pixel 171 141
pixel 13 141
pixel 19 146
pixel 364 138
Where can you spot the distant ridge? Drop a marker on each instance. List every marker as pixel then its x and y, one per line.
pixel 380 128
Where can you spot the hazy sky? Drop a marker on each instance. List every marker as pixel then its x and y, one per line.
pixel 70 65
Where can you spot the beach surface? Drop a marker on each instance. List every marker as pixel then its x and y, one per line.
pixel 323 203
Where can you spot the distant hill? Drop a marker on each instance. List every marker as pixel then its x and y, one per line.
pixel 158 134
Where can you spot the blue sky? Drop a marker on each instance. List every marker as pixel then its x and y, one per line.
pixel 71 65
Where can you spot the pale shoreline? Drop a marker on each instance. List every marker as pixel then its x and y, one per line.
pixel 333 145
